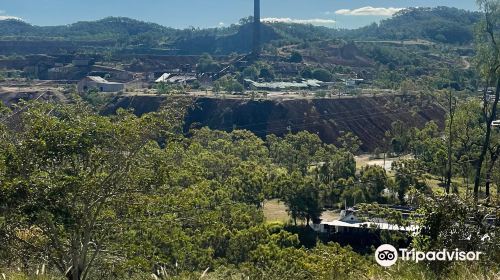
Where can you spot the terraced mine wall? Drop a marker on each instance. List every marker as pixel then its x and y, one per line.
pixel 367 117
pixel 8 47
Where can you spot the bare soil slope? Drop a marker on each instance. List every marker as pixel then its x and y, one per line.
pixel 367 117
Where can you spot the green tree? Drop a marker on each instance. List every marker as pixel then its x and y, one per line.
pixel 63 171
pixel 295 57
pixel 374 178
pixel 298 151
pixel 251 72
pixel 163 88
pixel 488 58
pixel 409 173
pixel 322 75
pixel 400 137
pixel 350 142
pixel 303 198
pixel 306 73
pixel 267 74
pixel 207 64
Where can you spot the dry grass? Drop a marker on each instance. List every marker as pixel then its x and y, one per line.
pixel 364 160
pixel 275 211
pixel 433 182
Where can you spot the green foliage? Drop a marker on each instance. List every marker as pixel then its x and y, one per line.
pixel 207 64
pixel 229 85
pixel 61 179
pixel 448 222
pixel 128 196
pixel 409 173
pixel 322 75
pixel 400 137
pixel 374 179
pixel 322 262
pixel 125 197
pixel 441 24
pixel 266 73
pixel 302 197
pixel 299 151
pixel 295 57
pixel 306 73
pixel 251 72
pixel 96 99
pixel 141 197
pixel 350 142
pixel 162 88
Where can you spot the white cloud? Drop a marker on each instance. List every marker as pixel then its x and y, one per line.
pixel 221 23
pixel 9 17
pixel 313 21
pixel 369 11
pixel 3 16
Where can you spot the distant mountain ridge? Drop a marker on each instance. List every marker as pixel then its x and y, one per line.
pixel 108 28
pixel 441 24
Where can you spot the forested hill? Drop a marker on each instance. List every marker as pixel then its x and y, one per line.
pixel 442 24
pixel 130 33
pixel 107 28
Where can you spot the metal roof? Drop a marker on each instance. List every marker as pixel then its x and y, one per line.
pixel 163 78
pixel 101 80
pixel 285 85
pixel 382 226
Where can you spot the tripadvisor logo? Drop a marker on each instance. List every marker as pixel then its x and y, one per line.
pixel 386 255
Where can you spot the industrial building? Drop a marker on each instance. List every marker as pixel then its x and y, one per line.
pixel 350 223
pixel 276 86
pixel 100 84
pixel 181 79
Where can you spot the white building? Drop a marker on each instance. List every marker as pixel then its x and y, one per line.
pixel 353 82
pixel 181 79
pixel 100 84
pixel 348 222
pixel 305 84
pixel 163 78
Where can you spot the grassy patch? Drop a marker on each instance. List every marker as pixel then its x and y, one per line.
pixel 275 211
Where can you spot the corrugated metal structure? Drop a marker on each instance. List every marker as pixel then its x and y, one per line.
pixel 100 84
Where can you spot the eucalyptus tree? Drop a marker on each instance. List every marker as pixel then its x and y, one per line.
pixel 63 169
pixel 488 62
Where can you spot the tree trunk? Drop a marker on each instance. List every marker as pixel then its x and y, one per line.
pixel 489 120
pixel 76 270
pixel 498 193
pixel 75 273
pixel 494 157
pixel 384 160
pixel 449 163
pixel 488 181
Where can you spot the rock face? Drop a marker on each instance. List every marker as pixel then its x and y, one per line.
pixel 367 117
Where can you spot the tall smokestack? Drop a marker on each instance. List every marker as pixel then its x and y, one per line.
pixel 256 28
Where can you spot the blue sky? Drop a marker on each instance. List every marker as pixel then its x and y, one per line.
pixel 203 13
